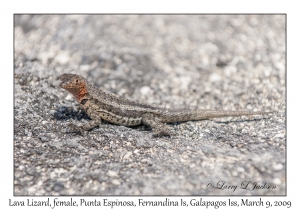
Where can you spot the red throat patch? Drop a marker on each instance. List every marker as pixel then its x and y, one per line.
pixel 81 95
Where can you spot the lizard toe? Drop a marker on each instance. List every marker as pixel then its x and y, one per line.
pixel 162 132
pixel 76 129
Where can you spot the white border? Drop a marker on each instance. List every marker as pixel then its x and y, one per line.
pixel 236 6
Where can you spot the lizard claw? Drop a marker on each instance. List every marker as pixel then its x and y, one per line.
pixel 162 132
pixel 76 129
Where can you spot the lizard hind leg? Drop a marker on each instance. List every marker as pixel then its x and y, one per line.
pixel 159 128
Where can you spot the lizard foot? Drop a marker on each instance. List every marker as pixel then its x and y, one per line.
pixel 162 132
pixel 76 129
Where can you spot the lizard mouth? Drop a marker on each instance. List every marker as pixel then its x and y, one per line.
pixel 65 81
pixel 63 84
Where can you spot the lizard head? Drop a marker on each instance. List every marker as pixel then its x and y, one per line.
pixel 75 84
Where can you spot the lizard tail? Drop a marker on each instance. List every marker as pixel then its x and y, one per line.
pixel 196 114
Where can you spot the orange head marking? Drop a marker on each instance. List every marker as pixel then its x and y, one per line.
pixel 75 84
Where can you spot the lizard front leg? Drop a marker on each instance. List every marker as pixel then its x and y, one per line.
pixel 96 120
pixel 159 128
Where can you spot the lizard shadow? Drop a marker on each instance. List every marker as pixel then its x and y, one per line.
pixel 64 113
pixel 239 120
pixel 218 121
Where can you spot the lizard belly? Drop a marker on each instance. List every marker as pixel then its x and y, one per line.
pixel 118 119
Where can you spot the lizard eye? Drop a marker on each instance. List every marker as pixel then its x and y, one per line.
pixel 76 81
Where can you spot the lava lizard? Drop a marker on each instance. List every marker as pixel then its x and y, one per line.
pixel 115 109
